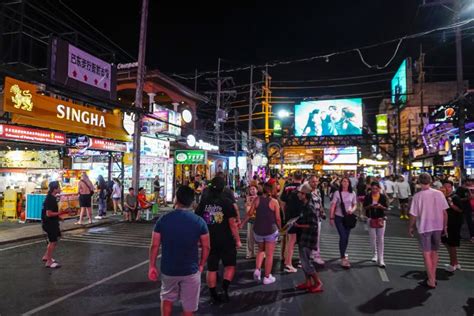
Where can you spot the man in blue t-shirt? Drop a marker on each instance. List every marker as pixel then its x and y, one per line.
pixel 180 233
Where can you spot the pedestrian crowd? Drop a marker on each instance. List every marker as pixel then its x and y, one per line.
pixel 289 211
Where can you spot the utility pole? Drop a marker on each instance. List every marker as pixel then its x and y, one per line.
pixel 218 102
pixel 460 92
pixel 139 96
pixel 421 81
pixel 266 107
pixel 196 80
pixel 236 147
pixel 249 145
pixel 409 150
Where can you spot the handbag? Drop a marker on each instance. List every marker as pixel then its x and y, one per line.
pixel 376 222
pixel 349 220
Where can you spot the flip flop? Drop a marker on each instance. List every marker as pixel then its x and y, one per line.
pixel 54 265
pixel 77 223
pixel 425 284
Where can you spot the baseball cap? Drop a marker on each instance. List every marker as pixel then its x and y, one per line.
pixel 305 188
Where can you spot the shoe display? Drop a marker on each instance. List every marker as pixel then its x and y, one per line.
pixel 269 280
pixel 257 275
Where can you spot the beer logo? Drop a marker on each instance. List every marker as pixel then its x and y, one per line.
pixel 21 99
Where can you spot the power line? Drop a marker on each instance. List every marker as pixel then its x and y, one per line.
pixel 358 50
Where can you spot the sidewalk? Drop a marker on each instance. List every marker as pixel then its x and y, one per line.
pixel 14 231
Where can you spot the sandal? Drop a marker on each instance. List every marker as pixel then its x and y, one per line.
pixel 53 265
pixel 77 223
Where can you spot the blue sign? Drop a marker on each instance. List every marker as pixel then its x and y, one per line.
pixel 469 155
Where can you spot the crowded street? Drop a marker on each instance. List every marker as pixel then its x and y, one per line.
pixel 237 158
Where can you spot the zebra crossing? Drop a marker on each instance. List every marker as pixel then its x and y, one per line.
pixel 399 251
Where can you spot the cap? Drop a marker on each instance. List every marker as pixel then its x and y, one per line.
pixel 305 188
pixel 218 183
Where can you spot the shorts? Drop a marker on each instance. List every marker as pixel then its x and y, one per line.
pixel 53 231
pixel 403 201
pixel 268 238
pixel 454 231
pixel 116 198
pixel 227 255
pixel 430 241
pixel 183 288
pixel 85 200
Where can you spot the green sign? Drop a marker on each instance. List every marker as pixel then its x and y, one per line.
pixel 190 157
pixel 382 123
pixel 277 128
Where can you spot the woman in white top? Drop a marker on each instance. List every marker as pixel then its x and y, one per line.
pixel 348 197
pixel 117 196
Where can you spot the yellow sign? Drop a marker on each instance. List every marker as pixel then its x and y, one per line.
pixel 31 108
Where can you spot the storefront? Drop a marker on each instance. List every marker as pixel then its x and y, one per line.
pixel 371 167
pixel 187 162
pixel 32 156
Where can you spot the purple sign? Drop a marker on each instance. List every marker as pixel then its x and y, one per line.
pixel 88 69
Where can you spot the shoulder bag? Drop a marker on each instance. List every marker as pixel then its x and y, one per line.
pixel 349 220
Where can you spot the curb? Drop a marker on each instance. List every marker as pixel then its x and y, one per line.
pixel 62 230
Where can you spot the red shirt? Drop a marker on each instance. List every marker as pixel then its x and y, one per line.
pixel 142 200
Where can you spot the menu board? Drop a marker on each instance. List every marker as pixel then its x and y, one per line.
pixel 43 159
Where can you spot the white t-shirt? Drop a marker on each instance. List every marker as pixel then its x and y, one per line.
pixel 403 190
pixel 389 187
pixel 428 206
pixel 116 191
pixel 350 199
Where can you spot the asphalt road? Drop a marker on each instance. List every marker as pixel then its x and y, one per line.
pixel 104 272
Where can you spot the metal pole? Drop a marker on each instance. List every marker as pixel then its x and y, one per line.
pixel 249 143
pixel 218 102
pixel 460 93
pixel 421 79
pixel 139 96
pixel 196 80
pixel 236 148
pixel 409 150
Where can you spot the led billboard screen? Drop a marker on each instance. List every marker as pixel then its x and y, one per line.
pixel 328 117
pixel 340 155
pixel 399 85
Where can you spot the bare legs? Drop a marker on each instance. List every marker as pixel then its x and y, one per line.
pixel 431 263
pixel 290 248
pixel 48 255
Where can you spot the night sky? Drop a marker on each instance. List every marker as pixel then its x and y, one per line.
pixel 184 36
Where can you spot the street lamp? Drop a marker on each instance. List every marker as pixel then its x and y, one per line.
pixel 283 114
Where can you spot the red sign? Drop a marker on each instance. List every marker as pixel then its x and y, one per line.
pixel 25 134
pixel 108 145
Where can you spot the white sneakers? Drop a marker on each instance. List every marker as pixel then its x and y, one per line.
pixel 98 217
pixel 451 268
pixel 271 279
pixel 374 258
pixel 290 269
pixel 257 275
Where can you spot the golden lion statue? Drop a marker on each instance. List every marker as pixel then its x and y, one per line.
pixel 22 99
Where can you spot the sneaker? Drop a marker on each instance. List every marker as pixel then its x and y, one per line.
pixel 458 267
pixel 374 258
pixel 98 217
pixel 451 268
pixel 257 275
pixel 382 264
pixel 345 263
pixel 406 217
pixel 271 279
pixel 319 261
pixel 402 217
pixel 316 289
pixel 290 269
pixel 303 286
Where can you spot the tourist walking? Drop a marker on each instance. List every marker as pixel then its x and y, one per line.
pixel 375 205
pixel 428 212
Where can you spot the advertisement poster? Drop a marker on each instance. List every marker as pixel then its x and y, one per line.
pixel 44 159
pixel 399 85
pixel 329 118
pixel 382 123
pixel 340 155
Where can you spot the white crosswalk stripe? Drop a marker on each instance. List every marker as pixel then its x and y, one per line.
pixel 401 251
